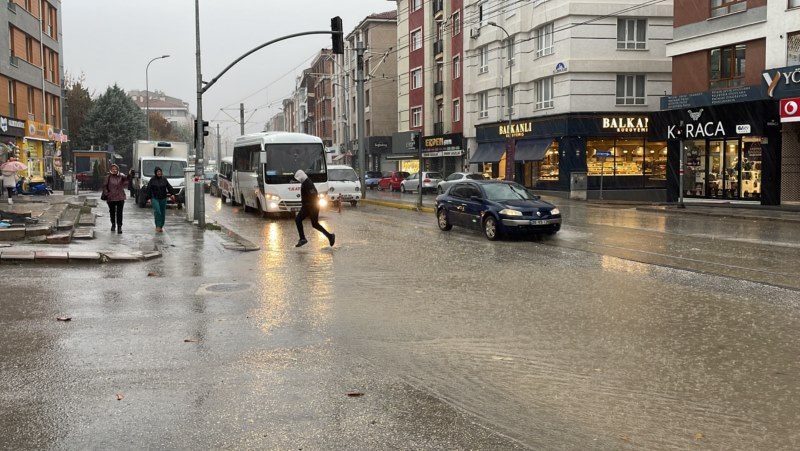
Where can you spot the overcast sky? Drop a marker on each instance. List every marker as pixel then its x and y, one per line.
pixel 111 41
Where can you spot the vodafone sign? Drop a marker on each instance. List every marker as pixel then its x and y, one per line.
pixel 790 110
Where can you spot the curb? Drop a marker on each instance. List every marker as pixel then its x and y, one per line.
pixel 240 243
pixel 381 203
pixel 52 256
pixel 721 214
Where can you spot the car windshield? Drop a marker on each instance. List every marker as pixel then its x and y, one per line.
pixel 170 169
pixel 210 175
pixel 283 160
pixel 476 177
pixel 433 175
pixel 342 175
pixel 507 191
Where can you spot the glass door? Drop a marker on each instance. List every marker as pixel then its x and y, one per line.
pixel 732 165
pixel 714 181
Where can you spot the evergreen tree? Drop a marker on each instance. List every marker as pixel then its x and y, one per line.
pixel 115 120
pixel 78 102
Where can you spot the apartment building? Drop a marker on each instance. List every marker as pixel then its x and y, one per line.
pixel 277 123
pixel 319 89
pixel 585 79
pixel 289 115
pixel 733 117
pixel 378 34
pixel 31 75
pixel 430 89
pixel 173 109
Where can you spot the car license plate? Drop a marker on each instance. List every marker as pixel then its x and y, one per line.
pixel 294 209
pixel 347 196
pixel 540 222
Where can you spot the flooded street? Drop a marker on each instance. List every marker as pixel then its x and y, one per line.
pixel 627 330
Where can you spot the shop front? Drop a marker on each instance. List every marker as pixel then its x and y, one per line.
pixel 11 133
pixel 729 151
pixel 443 153
pixel 405 153
pixel 783 85
pixel 378 147
pixel 38 150
pixel 611 147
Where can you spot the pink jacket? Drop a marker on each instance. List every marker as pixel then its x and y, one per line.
pixel 114 187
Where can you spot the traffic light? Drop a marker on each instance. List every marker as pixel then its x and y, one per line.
pixel 416 140
pixel 337 37
pixel 205 128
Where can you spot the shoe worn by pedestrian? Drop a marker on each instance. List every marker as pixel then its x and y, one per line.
pixel 114 194
pixel 309 208
pixel 159 190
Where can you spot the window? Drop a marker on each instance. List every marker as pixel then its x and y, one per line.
pixel 416 39
pixel 28 49
pixel 456 67
pixel 630 90
pixel 416 78
pixel 416 4
pixel 727 66
pixel 544 40
pixel 366 99
pixel 457 23
pixel 416 117
pixel 484 60
pixel 31 102
pixel 53 110
pixel 632 34
pixel 793 48
pixel 544 93
pixel 482 19
pixel 510 51
pixel 548 167
pixel 722 7
pixel 483 105
pixel 12 104
pixel 456 110
pixel 794 3
pixel 510 100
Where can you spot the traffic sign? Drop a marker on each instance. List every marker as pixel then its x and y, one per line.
pixel 602 153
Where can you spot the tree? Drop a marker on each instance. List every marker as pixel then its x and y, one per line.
pixel 160 128
pixel 115 120
pixel 78 102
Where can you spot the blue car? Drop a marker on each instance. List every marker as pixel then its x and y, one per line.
pixel 371 178
pixel 496 207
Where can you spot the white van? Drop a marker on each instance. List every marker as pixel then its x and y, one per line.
pixel 343 181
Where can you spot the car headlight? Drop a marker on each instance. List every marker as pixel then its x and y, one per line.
pixel 510 212
pixel 555 211
pixel 332 189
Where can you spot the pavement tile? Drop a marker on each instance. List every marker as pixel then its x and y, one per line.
pixel 38 230
pixel 12 233
pixel 151 255
pixel 123 256
pixel 59 238
pixel 83 233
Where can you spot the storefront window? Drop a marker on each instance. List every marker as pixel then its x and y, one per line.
pixel 410 166
pixel 694 168
pixel 751 167
pixel 655 164
pixel 548 167
pixel 596 165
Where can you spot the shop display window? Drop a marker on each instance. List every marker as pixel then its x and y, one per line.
pixel 655 164
pixel 627 157
pixel 548 167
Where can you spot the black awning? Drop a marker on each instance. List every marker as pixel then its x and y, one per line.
pixel 531 149
pixel 489 152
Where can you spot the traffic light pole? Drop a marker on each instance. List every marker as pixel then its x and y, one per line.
pixel 360 121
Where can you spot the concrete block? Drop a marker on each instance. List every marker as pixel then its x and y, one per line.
pixel 59 238
pixel 36 231
pixel 83 233
pixel 65 225
pixel 12 233
pixel 84 256
pixel 123 256
pixel 151 255
pixel 17 256
pixel 52 256
pixel 87 219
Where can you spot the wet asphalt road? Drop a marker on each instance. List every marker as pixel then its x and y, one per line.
pixel 595 339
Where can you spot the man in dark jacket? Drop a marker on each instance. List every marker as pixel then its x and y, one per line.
pixel 309 200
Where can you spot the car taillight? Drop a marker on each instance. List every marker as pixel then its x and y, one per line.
pixel 426 181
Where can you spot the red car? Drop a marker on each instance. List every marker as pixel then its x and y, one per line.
pixel 391 180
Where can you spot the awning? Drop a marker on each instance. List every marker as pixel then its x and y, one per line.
pixel 531 149
pixel 391 157
pixel 489 152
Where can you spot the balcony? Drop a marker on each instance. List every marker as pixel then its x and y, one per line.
pixel 438 128
pixel 438 88
pixel 438 47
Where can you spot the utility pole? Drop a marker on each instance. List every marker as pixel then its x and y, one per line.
pixel 219 149
pixel 199 200
pixel 360 110
pixel 241 118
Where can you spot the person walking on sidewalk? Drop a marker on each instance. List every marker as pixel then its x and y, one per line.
pixel 159 190
pixel 131 176
pixel 114 195
pixel 10 181
pixel 309 208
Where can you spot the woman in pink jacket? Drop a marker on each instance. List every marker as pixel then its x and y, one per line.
pixel 114 194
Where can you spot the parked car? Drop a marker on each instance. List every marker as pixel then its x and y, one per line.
pixel 429 181
pixel 372 178
pixel 451 179
pixel 213 188
pixel 496 207
pixel 391 180
pixel 343 184
pixel 208 176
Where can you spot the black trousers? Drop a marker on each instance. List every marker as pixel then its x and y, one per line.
pixel 10 191
pixel 308 212
pixel 115 211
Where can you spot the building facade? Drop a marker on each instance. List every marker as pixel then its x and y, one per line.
pixel 31 78
pixel 584 80
pixel 174 110
pixel 320 97
pixel 378 33
pixel 430 89
pixel 732 121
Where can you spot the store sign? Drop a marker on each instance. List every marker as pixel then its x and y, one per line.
pixel 790 110
pixel 782 82
pixel 515 130
pixel 560 68
pixel 11 127
pixel 39 130
pixel 743 129
pixel 698 129
pixel 626 124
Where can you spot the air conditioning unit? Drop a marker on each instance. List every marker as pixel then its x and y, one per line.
pixel 474 32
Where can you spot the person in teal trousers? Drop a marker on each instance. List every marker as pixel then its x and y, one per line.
pixel 159 190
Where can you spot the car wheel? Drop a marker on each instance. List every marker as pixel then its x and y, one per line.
pixel 222 197
pixel 440 190
pixel 354 203
pixel 402 188
pixel 490 228
pixel 441 219
pixel 380 188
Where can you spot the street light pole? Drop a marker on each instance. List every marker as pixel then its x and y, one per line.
pixel 147 93
pixel 510 148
